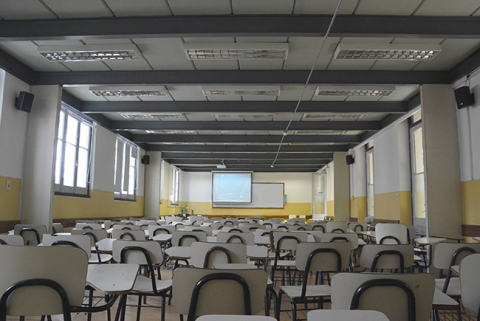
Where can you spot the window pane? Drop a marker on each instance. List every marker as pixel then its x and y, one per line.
pixel 58 161
pixel 418 143
pixel 61 125
pixel 370 167
pixel 131 180
pixel 420 195
pixel 72 126
pixel 82 168
pixel 84 136
pixel 69 165
pixel 371 201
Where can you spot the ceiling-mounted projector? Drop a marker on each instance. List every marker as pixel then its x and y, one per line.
pixel 222 166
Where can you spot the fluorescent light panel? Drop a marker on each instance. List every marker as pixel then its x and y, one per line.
pixel 317 132
pixel 413 52
pixel 241 90
pixel 128 91
pixel 244 116
pixel 238 51
pixel 122 52
pixel 152 116
pixel 333 116
pixel 367 90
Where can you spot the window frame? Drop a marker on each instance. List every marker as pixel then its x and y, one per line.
pixel 370 174
pixel 124 187
pixel 174 196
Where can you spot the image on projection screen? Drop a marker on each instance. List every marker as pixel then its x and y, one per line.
pixel 232 188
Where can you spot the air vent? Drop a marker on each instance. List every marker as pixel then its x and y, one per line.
pixel 317 132
pixel 142 116
pixel 78 53
pixel 243 116
pixel 241 91
pixel 366 90
pixel 236 51
pixel 128 91
pixel 414 52
pixel 333 116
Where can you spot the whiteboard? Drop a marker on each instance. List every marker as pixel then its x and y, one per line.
pixel 264 195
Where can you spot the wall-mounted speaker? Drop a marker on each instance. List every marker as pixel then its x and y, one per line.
pixel 463 97
pixel 146 159
pixel 24 101
pixel 350 160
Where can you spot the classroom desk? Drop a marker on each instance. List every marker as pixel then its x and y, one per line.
pixel 163 238
pixel 178 253
pixel 429 241
pixel 232 317
pixel 346 315
pixel 441 301
pixel 234 266
pixel 369 234
pixel 105 246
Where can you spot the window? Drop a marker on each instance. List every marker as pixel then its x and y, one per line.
pixel 418 174
pixel 126 165
pixel 370 186
pixel 175 185
pixel 73 159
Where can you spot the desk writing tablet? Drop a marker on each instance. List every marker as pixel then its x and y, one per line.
pixel 346 315
pixel 218 317
pixel 112 279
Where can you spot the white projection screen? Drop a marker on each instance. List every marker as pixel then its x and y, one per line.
pixel 231 187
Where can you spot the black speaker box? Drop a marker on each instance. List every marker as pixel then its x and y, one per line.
pixel 350 160
pixel 463 97
pixel 24 101
pixel 146 159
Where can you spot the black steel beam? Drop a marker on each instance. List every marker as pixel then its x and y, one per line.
pixel 241 25
pixel 242 107
pixel 270 77
pixel 235 162
pixel 249 148
pixel 466 66
pixel 187 155
pixel 17 68
pixel 245 125
pixel 274 139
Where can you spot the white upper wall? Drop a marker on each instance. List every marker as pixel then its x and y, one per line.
pixel 104 160
pixel 330 184
pixel 359 178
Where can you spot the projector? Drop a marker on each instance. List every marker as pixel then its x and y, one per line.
pixel 222 166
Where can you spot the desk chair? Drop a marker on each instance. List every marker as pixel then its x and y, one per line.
pixel 245 238
pixel 83 241
pixel 292 228
pixel 185 238
pixel 351 238
pixel 318 226
pixel 391 233
pixel 11 240
pixel 337 227
pixel 95 236
pixel 90 226
pixel 470 285
pixel 148 254
pixel 318 258
pixel 377 257
pixel 160 229
pixel 136 235
pixel 357 227
pixel 126 227
pixel 400 296
pixel 31 233
pixel 204 291
pixel 284 245
pixel 281 226
pixel 195 228
pixel 205 255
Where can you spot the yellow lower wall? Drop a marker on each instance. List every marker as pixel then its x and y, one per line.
pixel 471 202
pixel 10 198
pixel 358 208
pixel 395 206
pixel 330 208
pixel 319 208
pixel 99 204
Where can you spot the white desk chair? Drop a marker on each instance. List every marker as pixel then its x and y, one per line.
pixel 318 226
pixel 229 222
pixel 336 227
pixel 470 285
pixel 126 227
pixel 83 241
pixel 351 238
pixel 205 255
pixel 196 228
pixel 391 233
pixel 284 245
pixel 160 229
pixel 136 235
pixel 357 227
pixel 280 226
pixel 11 240
pixel 387 257
pixel 90 226
pixel 203 291
pixel 400 296
pixel 292 228
pixel 57 228
pixel 95 235
pixel 31 233
pixel 245 238
pixel 184 238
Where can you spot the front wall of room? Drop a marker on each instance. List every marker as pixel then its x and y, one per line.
pixel 196 193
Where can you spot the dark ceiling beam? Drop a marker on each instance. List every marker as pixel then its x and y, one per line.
pixel 241 25
pixel 187 155
pixel 90 107
pixel 245 125
pixel 466 66
pixel 249 148
pixel 234 162
pixel 340 139
pixel 17 68
pixel 270 77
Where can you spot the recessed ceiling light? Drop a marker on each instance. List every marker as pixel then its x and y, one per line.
pixel 156 116
pixel 241 90
pixel 128 91
pixel 415 52
pixel 357 90
pixel 333 116
pixel 121 52
pixel 239 51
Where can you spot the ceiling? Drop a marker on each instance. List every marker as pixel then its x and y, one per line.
pixel 197 132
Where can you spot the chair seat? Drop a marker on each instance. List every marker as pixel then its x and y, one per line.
pixel 271 255
pixel 453 289
pixel 361 242
pixel 143 284
pixel 312 291
pixel 104 258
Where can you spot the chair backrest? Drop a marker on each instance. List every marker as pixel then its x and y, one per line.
pixel 138 235
pixel 336 227
pixel 351 238
pixel 57 228
pixel 288 240
pixel 152 247
pixel 185 238
pixel 280 226
pixel 327 258
pixel 357 227
pixel 391 233
pixel 292 228
pixel 245 238
pixel 206 229
pixel 91 226
pixel 229 222
pixel 389 299
pixel 160 229
pixel 95 235
pixel 387 256
pixel 470 284
pixel 205 254
pixel 11 240
pixel 300 221
pixel 319 226
pixel 83 241
pixel 31 233
pixel 126 227
pixel 444 252
pixel 217 296
pixel 66 266
pixel 196 218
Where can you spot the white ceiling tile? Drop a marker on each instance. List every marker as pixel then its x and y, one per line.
pixel 394 65
pixel 186 93
pixel 427 41
pixel 157 98
pixel 78 9
pixel 86 66
pixel 25 9
pixel 164 53
pixel 200 7
pixel 262 7
pixel 324 6
pixel 447 8
pixel 216 64
pixel 128 65
pixel 26 52
pixel 293 93
pixel 387 7
pixel 261 39
pixel 139 8
pixel 402 93
pixel 82 93
pixel 303 52
pixel 453 52
pixel 261 64
pixel 350 64
pixel 209 39
pixel 224 98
